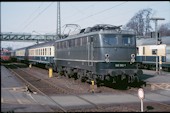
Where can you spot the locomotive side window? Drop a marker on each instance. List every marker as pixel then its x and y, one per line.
pixel 72 42
pixel 110 39
pixel 127 40
pixel 81 41
pixel 69 43
pixel 78 41
pixel 84 40
pixel 62 44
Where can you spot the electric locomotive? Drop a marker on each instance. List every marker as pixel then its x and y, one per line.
pixel 103 53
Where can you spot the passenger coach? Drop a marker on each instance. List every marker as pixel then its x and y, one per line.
pixel 148 51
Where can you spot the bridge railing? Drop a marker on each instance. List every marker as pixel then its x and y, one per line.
pixel 26 37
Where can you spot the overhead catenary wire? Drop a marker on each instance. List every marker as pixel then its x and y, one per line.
pixel 37 16
pixel 99 12
pixel 32 14
pixel 82 12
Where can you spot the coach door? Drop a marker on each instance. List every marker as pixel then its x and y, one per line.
pixel 90 51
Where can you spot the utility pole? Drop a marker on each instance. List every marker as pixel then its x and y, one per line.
pixel 156 35
pixel 58 30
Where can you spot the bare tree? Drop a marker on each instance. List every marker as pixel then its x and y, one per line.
pixel 140 22
pixel 164 29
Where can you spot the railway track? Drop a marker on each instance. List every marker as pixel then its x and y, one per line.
pixel 36 85
pixel 44 87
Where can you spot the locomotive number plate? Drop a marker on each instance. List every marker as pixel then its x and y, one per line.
pixel 120 65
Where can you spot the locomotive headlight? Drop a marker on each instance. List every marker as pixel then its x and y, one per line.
pixel 107 57
pixel 132 57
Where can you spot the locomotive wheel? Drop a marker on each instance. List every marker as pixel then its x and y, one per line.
pixel 83 79
pixel 66 74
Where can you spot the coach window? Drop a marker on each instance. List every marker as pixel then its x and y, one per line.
pixel 38 52
pixel 45 51
pixel 154 51
pixel 41 51
pixel 143 50
pixel 50 51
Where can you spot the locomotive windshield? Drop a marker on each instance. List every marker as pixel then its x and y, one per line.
pixel 110 39
pixel 127 40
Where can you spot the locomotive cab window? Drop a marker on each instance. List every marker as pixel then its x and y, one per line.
pixel 127 40
pixel 109 39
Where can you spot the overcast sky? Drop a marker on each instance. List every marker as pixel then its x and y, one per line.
pixel 42 16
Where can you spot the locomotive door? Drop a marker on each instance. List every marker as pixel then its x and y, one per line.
pixel 90 51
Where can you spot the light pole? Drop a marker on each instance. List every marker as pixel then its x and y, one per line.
pixel 58 30
pixel 156 35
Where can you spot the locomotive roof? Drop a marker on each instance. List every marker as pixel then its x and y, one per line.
pixel 97 32
pixel 152 41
